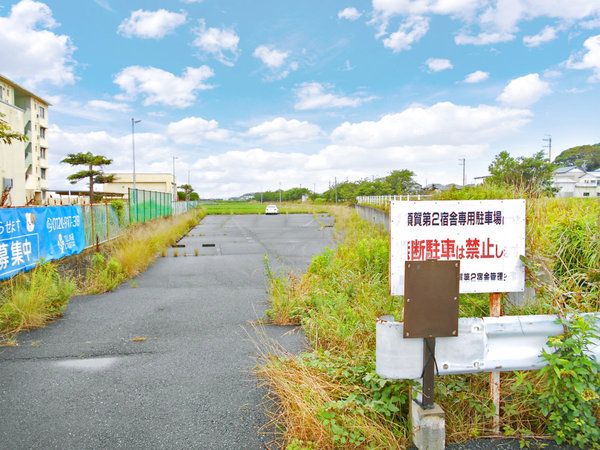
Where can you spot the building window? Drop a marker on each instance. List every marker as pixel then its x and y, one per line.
pixel 43 152
pixel 42 132
pixel 43 173
pixel 42 112
pixel 586 194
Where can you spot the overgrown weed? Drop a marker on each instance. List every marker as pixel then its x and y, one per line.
pixel 31 299
pixel 324 404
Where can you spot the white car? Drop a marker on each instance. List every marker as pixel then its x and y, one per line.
pixel 271 209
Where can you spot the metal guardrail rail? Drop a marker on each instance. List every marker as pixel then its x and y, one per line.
pixel 485 344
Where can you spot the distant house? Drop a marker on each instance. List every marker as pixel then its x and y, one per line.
pixel 575 182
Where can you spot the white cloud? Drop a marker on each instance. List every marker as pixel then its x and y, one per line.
pixel 488 21
pixel 589 59
pixel 222 43
pixel 151 24
pixel 591 24
pixel 409 32
pixel 104 105
pixel 477 77
pixel 31 53
pixel 438 64
pixel 314 96
pixel 421 138
pixel 440 124
pixel 195 130
pixel 547 34
pixel 483 38
pixel 270 56
pixel 524 91
pixel 275 61
pixel 281 130
pixel 191 2
pixel 159 87
pixel 349 14
pixel 151 155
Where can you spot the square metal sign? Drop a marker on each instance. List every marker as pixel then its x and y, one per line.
pixel 431 299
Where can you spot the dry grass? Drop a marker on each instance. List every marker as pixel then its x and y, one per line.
pixel 342 293
pixel 30 300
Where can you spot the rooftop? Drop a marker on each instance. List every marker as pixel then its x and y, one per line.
pixel 21 88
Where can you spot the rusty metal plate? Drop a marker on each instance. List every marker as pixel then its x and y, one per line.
pixel 431 299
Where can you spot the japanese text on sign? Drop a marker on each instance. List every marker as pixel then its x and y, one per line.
pixel 487 236
pixel 29 235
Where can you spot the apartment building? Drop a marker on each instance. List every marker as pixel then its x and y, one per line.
pixel 23 165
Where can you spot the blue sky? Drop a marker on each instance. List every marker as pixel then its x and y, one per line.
pixel 248 95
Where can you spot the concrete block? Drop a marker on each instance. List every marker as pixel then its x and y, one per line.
pixel 428 427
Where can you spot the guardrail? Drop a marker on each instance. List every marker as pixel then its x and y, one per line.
pixel 384 200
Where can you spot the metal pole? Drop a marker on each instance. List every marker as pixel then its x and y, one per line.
pixel 495 311
pixel 133 122
pixel 428 372
pixel 336 197
pixel 174 182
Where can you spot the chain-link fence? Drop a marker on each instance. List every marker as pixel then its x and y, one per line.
pixel 148 205
pixel 103 222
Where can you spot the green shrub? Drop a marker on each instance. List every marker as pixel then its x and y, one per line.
pixel 119 207
pixel 571 385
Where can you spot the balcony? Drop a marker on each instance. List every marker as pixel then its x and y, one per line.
pixel 28 154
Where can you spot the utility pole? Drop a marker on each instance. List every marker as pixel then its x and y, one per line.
pixel 188 192
pixel 133 122
pixel 335 181
pixel 174 182
pixel 280 192
pixel 548 139
pixel 463 164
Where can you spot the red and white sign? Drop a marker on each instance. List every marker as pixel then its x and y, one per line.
pixel 487 236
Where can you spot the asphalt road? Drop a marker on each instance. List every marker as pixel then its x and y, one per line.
pixel 83 383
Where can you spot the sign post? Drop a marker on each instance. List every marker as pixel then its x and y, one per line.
pixel 430 311
pixel 484 241
pixel 495 311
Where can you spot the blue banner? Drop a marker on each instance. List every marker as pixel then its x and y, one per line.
pixel 29 235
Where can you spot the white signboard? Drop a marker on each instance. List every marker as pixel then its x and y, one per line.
pixel 487 236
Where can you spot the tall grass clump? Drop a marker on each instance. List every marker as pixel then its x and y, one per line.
pixel 332 397
pixel 30 300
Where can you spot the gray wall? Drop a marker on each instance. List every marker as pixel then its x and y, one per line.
pixel 374 215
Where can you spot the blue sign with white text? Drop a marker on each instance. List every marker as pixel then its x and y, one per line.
pixel 28 235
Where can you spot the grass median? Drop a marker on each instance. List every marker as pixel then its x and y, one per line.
pixel 239 207
pixel 32 299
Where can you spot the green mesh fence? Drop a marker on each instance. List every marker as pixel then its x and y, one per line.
pixel 148 205
pixel 103 222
